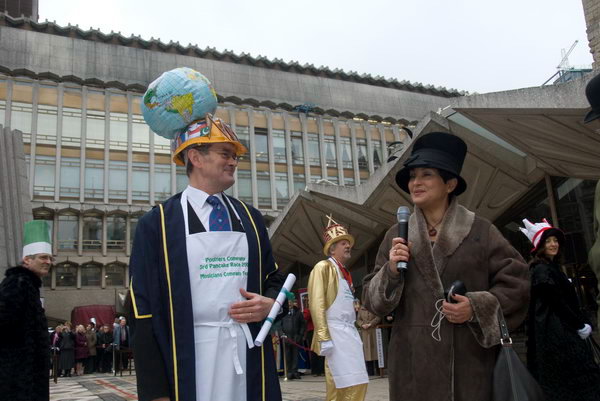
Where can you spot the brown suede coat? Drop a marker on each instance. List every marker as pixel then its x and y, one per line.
pixel 460 366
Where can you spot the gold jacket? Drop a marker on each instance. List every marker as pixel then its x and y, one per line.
pixel 322 291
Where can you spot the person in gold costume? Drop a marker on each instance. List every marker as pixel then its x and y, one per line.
pixel 331 298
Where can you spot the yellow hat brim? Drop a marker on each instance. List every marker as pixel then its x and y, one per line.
pixel 332 241
pixel 215 136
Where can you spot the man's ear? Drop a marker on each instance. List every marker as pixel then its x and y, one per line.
pixel 26 261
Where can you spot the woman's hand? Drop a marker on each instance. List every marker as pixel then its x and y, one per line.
pixel 365 326
pixel 400 252
pixel 255 309
pixel 459 312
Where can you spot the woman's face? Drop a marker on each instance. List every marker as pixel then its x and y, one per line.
pixel 551 247
pixel 428 189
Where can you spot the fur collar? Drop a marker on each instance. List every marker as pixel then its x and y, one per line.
pixel 431 262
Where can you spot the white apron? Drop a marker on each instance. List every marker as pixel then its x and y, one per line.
pixel 347 361
pixel 218 268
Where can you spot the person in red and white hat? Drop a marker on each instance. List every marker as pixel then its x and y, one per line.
pixel 557 354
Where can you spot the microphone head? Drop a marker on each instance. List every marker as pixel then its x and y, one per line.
pixel 403 214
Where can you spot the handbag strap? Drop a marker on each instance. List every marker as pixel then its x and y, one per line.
pixel 504 333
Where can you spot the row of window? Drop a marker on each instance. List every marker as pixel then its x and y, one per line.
pixel 86 275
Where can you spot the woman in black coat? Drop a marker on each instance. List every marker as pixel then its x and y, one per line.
pixel 67 351
pixel 557 353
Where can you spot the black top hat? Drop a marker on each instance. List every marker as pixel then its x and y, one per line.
pixel 592 92
pixel 437 150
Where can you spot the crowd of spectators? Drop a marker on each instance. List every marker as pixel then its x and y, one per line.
pixel 87 350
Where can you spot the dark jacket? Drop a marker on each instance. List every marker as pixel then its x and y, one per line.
pixel 293 325
pixel 24 349
pixel 556 355
pixel 157 287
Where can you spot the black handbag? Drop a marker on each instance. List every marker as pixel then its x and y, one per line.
pixel 512 380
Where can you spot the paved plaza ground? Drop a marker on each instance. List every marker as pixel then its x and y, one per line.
pixel 107 387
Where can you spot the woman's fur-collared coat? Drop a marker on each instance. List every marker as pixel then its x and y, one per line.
pixel 460 366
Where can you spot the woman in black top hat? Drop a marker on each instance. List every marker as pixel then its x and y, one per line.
pixel 557 354
pixel 444 348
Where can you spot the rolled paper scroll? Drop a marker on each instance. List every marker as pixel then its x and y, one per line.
pixel 287 286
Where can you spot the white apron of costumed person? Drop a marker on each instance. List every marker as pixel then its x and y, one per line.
pixel 214 288
pixel 347 361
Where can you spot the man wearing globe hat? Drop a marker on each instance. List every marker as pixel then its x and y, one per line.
pixel 203 276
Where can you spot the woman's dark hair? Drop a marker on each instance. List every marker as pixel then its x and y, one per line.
pixel 446 176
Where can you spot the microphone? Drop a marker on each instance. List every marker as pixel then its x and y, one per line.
pixel 403 216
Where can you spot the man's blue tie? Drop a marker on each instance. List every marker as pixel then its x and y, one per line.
pixel 219 220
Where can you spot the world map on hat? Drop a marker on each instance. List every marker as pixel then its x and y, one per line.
pixel 176 99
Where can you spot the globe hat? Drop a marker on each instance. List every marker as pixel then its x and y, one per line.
pixel 592 92
pixel 179 106
pixel 333 233
pixel 537 233
pixel 438 150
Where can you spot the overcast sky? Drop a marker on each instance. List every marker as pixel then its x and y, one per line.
pixel 473 45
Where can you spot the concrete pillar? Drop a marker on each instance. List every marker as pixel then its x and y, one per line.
pixel 354 147
pixel 253 157
pixel 15 205
pixel 367 129
pixel 106 143
pixel 59 125
pixel 322 147
pixel 271 152
pixel 304 126
pixel 130 149
pixel 591 11
pixel 384 151
pixel 104 234
pixel 288 154
pixel 33 143
pixel 83 156
pixel 8 111
pixel 338 152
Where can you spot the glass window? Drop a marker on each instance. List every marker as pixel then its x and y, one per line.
pixel 349 181
pixel 330 157
pixel 71 123
pixel 315 177
pixel 297 150
pixel 132 226
pixel 115 232
pixel 281 187
pixel 66 275
pixel 181 177
pixel 96 117
pixel 115 275
pixel 91 275
pixel 346 149
pixel 43 184
pixel 314 157
pixel 244 183
pixel 261 143
pixel 140 135
pixel 377 153
pixel 118 131
pixel 47 279
pixel 2 110
pixel 162 182
pixel 244 137
pixel 68 231
pixel 69 177
pixel 94 179
pixel 20 118
pixel 141 182
pixel 117 179
pixel 363 160
pixel 264 189
pixel 279 146
pixel 92 232
pixel 299 182
pixel 46 124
